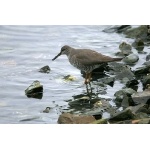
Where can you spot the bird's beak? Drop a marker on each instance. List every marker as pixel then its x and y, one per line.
pixel 56 56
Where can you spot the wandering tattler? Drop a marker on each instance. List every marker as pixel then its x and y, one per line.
pixel 85 59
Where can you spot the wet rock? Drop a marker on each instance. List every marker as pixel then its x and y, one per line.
pixel 46 110
pixel 141 115
pixel 69 78
pixel 123 115
pixel 117 28
pixel 132 84
pixel 121 71
pixel 67 118
pixel 142 97
pixel 139 32
pixel 138 44
pixel 35 90
pixel 123 97
pixel 131 59
pixel 142 70
pixel 100 121
pixel 139 108
pixel 125 48
pixel 45 69
pixel 148 57
pixel 147 63
pixel 99 108
pixel 108 80
pixel 146 81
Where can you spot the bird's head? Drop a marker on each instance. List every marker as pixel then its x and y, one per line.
pixel 65 50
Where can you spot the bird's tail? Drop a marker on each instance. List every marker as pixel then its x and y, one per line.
pixel 117 59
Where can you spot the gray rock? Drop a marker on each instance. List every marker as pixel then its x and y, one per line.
pixel 123 115
pixel 146 81
pixel 142 97
pixel 148 57
pixel 142 70
pixel 125 48
pixel 131 59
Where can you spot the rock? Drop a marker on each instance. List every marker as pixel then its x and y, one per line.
pixel 138 44
pixel 123 115
pixel 146 81
pixel 125 48
pixel 139 32
pixel 117 28
pixel 142 70
pixel 108 80
pixel 132 84
pixel 46 110
pixel 141 115
pixel 123 97
pixel 148 57
pixel 67 118
pixel 131 59
pixel 69 78
pixel 35 90
pixel 45 69
pixel 139 108
pixel 147 63
pixel 100 121
pixel 142 97
pixel 121 71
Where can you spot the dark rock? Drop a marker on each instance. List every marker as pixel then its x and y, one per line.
pixel 125 48
pixel 147 63
pixel 123 115
pixel 139 108
pixel 35 90
pixel 108 80
pixel 123 97
pixel 131 59
pixel 118 29
pixel 45 69
pixel 148 57
pixel 46 110
pixel 146 81
pixel 142 70
pixel 141 115
pixel 67 118
pixel 138 44
pixel 139 32
pixel 132 84
pixel 142 97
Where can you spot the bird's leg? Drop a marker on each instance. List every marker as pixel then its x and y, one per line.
pixel 87 78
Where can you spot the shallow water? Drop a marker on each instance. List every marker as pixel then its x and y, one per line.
pixel 25 49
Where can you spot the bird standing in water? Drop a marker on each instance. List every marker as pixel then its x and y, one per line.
pixel 85 59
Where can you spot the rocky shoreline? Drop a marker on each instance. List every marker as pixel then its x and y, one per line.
pixel 131 105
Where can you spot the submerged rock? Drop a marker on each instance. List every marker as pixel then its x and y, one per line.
pixel 46 110
pixel 131 59
pixel 67 118
pixel 69 78
pixel 35 90
pixel 45 69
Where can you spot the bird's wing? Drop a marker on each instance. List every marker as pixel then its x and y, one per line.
pixel 88 57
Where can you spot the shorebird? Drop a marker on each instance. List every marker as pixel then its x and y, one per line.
pixel 85 59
